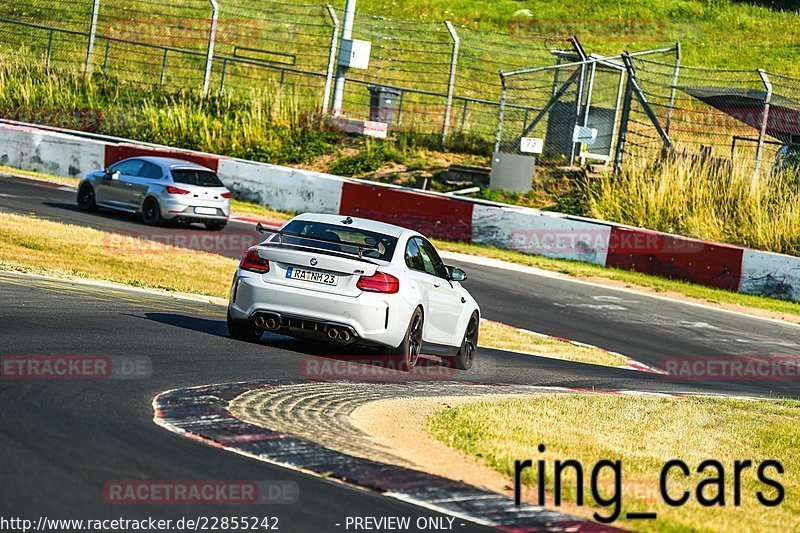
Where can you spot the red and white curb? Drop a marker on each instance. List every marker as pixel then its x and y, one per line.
pixel 202 414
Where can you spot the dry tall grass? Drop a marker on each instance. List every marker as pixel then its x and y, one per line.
pixel 691 197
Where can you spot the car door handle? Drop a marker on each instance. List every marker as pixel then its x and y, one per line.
pixel 463 300
pixel 437 284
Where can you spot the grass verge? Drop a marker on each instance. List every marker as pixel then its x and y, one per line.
pixel 504 337
pixel 53 247
pixel 39 246
pixel 643 433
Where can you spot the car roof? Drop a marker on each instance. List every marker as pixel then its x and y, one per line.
pixel 358 223
pixel 170 162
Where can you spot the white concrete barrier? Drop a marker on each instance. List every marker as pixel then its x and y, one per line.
pixel 769 274
pixel 282 188
pixel 49 152
pixel 534 232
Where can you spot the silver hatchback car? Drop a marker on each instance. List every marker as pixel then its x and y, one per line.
pixel 160 189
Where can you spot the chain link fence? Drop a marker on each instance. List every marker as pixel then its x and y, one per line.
pixel 443 76
pixel 639 104
pixel 551 97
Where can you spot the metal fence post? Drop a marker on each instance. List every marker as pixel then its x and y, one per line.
pixel 326 98
pixel 341 71
pixel 163 68
pixel 212 37
pixel 579 97
pixel 499 133
pixel 764 121
pixel 674 86
pixel 451 81
pixel 92 33
pixel 623 122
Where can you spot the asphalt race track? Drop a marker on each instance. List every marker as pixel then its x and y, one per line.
pixel 639 326
pixel 63 440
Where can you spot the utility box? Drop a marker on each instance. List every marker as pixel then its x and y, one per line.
pixel 354 53
pixel 512 172
pixel 383 103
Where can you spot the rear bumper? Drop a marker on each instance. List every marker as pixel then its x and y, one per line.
pixel 375 318
pixel 171 207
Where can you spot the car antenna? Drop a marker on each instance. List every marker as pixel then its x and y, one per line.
pixel 348 220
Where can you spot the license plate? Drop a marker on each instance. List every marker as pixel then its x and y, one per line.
pixel 205 210
pixel 312 276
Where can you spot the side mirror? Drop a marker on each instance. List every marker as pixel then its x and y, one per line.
pixel 456 274
pixel 115 175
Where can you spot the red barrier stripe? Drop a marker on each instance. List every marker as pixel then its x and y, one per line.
pixel 118 152
pixel 431 215
pixel 651 252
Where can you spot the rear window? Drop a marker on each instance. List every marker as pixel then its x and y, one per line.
pixel 339 239
pixel 191 176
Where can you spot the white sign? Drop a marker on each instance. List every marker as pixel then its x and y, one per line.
pixel 531 145
pixel 582 134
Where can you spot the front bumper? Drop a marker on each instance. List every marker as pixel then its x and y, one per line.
pixel 373 317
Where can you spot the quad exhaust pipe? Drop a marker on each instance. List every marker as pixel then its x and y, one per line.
pixel 268 322
pixel 272 322
pixel 342 335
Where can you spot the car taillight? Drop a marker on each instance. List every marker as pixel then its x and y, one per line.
pixel 380 282
pixel 226 195
pixel 176 190
pixel 252 262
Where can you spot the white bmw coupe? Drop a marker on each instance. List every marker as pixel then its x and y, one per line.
pixel 353 281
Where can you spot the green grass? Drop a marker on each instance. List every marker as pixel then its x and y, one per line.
pixel 375 155
pixel 643 433
pixel 716 33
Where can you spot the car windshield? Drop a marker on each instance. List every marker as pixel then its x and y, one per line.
pixel 339 239
pixel 196 176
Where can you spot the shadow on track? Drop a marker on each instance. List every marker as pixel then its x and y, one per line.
pixel 320 349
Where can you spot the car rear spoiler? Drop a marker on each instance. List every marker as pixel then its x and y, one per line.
pixel 360 247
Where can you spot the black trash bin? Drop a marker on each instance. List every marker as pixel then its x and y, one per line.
pixel 383 103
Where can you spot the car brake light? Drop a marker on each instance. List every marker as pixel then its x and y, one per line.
pixel 226 195
pixel 176 190
pixel 252 262
pixel 380 282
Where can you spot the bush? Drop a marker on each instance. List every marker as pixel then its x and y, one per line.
pixel 374 155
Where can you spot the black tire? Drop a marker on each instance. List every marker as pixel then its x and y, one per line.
pixel 216 225
pixel 243 330
pixel 469 346
pixel 406 356
pixel 86 200
pixel 151 212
